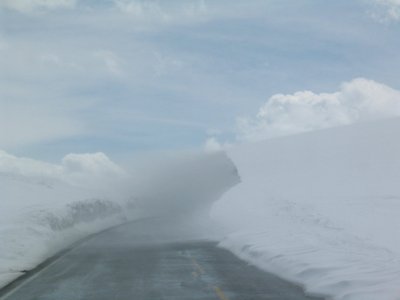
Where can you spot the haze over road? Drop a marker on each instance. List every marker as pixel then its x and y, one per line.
pixel 152 259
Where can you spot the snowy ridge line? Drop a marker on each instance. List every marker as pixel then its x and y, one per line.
pixel 28 275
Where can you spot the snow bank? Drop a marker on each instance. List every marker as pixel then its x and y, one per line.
pixel 45 208
pixel 321 209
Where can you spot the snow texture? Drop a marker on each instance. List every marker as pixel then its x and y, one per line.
pixel 45 208
pixel 321 209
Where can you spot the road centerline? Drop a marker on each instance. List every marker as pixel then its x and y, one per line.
pixel 220 293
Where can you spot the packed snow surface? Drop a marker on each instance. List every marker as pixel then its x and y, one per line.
pixel 321 209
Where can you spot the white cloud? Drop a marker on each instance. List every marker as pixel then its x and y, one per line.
pixel 110 60
pixel 159 11
pixel 140 8
pixel 27 6
pixel 212 145
pixel 10 164
pixel 386 10
pixel 76 169
pixel 94 164
pixel 173 67
pixel 357 100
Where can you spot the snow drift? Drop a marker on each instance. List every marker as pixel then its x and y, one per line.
pixel 45 208
pixel 321 209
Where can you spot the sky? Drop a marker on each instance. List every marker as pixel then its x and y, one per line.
pixel 133 76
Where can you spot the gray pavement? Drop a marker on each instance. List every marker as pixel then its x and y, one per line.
pixel 153 259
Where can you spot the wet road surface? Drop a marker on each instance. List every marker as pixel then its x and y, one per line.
pixel 152 260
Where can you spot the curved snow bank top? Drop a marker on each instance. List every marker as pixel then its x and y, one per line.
pixel 358 100
pixel 360 159
pixel 321 209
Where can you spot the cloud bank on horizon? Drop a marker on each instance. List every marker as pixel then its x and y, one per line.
pixel 121 76
pixel 358 100
pixel 80 170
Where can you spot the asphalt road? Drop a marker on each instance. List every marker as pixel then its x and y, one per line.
pixel 153 259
